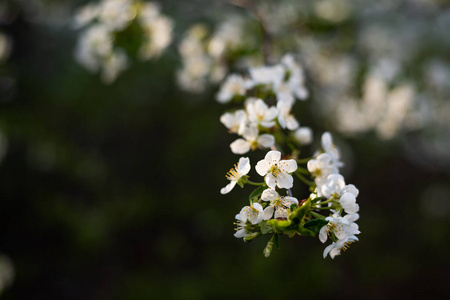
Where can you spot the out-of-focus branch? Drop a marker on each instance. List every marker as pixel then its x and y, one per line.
pixel 267 43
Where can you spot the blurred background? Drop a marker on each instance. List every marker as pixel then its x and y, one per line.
pixel 111 169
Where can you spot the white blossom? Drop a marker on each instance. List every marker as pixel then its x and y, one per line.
pixel 253 213
pixel 336 247
pixel 276 170
pixel 304 135
pixel 251 141
pixel 234 175
pixel 276 203
pixel 259 113
pixel 296 79
pixel 320 168
pixel 285 118
pixel 330 148
pixel 235 122
pixel 234 85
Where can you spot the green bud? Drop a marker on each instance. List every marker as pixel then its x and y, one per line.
pixel 268 250
pixel 251 236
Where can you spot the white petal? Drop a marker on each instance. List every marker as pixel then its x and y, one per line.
pixel 304 135
pixel 258 207
pixel 352 217
pixel 262 167
pixel 228 188
pixel 288 201
pixel 271 181
pixel 350 188
pixel 266 140
pixel 269 195
pixel 334 252
pixel 347 199
pixel 244 213
pixel 268 124
pixel 285 181
pixel 273 156
pixel 288 166
pixel 268 212
pixel 250 133
pixel 240 233
pixel 280 213
pixel 271 113
pixel 227 119
pixel 327 250
pixel 323 234
pixel 291 123
pixel 244 166
pixel 240 146
pixel 327 140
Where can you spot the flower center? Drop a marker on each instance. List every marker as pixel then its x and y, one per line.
pixel 233 174
pixel 275 170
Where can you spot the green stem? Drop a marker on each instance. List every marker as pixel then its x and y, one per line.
pixel 325 202
pixel 303 171
pixel 323 207
pixel 302 178
pixel 254 183
pixel 318 216
pixel 303 160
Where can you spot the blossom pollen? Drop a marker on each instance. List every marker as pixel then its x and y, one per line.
pixel 233 174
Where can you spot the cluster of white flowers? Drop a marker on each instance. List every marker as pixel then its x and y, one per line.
pixel 99 48
pixel 332 190
pixel 206 56
pixel 285 82
pixel 261 125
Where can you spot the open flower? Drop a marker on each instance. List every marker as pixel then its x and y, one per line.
pixel 235 122
pixel 330 148
pixel 320 168
pixel 278 204
pixel 253 213
pixel 285 118
pixel 340 227
pixel 276 170
pixel 233 85
pixel 234 175
pixel 346 194
pixel 251 141
pixel 336 247
pixel 259 113
pixel 240 227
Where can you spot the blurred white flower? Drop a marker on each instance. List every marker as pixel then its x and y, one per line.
pixel 234 85
pixel 97 48
pixel 304 135
pixel 251 141
pixel 259 113
pixel 235 122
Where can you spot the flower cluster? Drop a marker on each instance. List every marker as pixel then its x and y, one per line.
pixel 268 94
pixel 339 198
pixel 206 55
pixel 115 30
pixel 257 122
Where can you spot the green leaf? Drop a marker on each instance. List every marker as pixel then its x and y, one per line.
pixel 293 206
pixel 315 225
pixel 298 214
pixel 257 192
